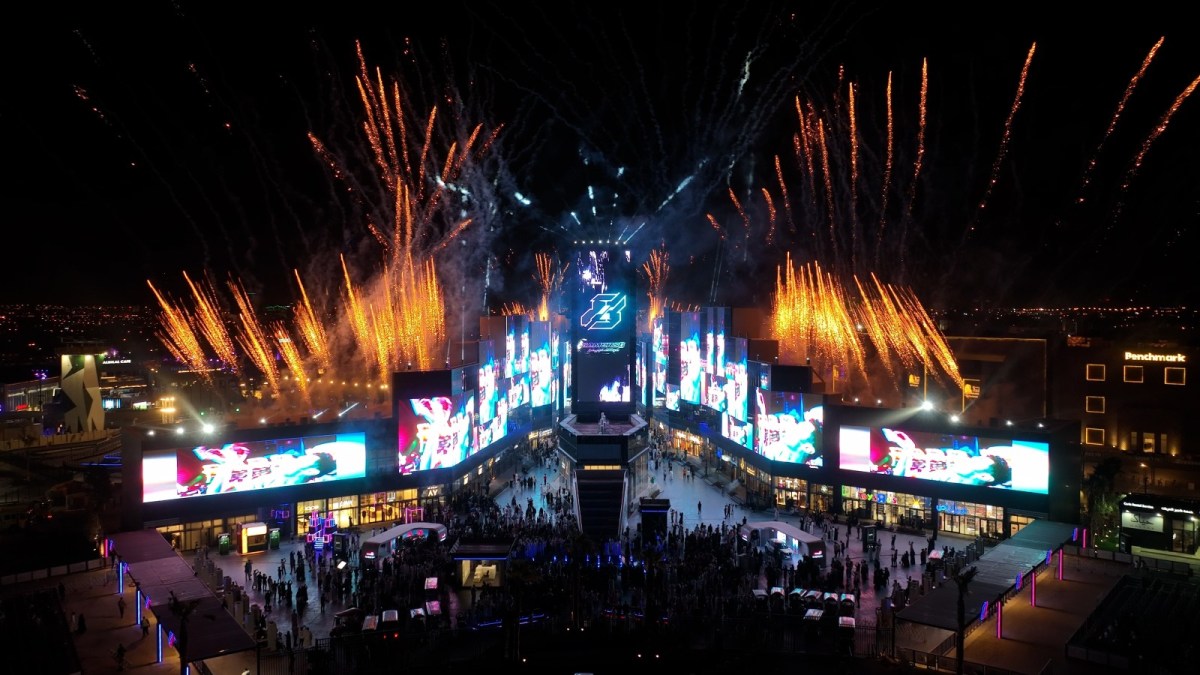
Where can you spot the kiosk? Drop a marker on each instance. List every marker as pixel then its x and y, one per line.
pixel 254 538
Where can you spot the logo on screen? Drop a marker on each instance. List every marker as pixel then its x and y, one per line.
pixel 605 312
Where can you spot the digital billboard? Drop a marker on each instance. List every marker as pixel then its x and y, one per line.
pixel 639 373
pixel 516 345
pixel 737 391
pixel 691 361
pixel 949 458
pixel 659 345
pixel 435 432
pixel 789 427
pixel 252 465
pixel 541 369
pixel 492 396
pixel 604 321
pixel 672 398
pixel 737 431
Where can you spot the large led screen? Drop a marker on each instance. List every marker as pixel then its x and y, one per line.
pixel 737 431
pixel 604 318
pixel 789 427
pixel 541 370
pixel 659 343
pixel 948 458
pixel 516 345
pixel 252 465
pixel 691 361
pixel 435 432
pixel 493 398
pixel 736 384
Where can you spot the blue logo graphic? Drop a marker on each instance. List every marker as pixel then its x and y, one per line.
pixel 605 313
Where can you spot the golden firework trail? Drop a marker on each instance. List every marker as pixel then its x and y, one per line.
pixel 771 215
pixel 783 190
pixel 853 183
pixel 208 317
pixel 179 337
pixel 887 172
pixel 1012 113
pixel 550 278
pixel 1112 124
pixel 1158 131
pixel 812 320
pixel 254 340
pixel 828 187
pixel 293 361
pixel 656 269
pixel 517 309
pixel 916 174
pixel 312 332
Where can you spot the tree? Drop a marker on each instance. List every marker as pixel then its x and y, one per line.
pixel 962 578
pixel 1099 489
pixel 183 610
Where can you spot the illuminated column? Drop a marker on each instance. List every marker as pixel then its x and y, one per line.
pixel 139 606
pixel 1084 538
pixel 1033 587
pixel 1060 564
pixel 159 634
pixel 121 578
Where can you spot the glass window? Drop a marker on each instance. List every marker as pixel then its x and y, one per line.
pixel 1093 436
pixel 1096 372
pixel 1175 375
pixel 1094 404
pixel 1134 374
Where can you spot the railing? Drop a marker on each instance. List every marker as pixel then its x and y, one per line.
pixel 54 571
pixel 949 664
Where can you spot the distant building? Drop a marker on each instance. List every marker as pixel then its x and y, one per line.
pixel 1130 395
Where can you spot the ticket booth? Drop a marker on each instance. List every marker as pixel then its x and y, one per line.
pixel 254 537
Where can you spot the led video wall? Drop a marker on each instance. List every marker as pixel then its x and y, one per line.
pixel 659 346
pixel 251 465
pixel 691 361
pixel 966 460
pixel 435 432
pixel 604 318
pixel 492 396
pixel 541 367
pixel 789 427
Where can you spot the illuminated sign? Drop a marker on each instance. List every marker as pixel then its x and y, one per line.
pixel 1172 509
pixel 252 465
pixel 1137 505
pixel 1150 522
pixel 948 458
pixel 436 432
pixel 789 426
pixel 605 312
pixel 1149 356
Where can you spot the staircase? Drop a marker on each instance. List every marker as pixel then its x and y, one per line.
pixel 599 494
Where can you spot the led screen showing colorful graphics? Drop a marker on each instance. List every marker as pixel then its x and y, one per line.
pixel 436 432
pixel 659 343
pixel 541 370
pixel 966 460
pixel 691 361
pixel 672 398
pixel 604 322
pixel 737 431
pixel 737 391
pixel 252 465
pixel 714 393
pixel 714 353
pixel 518 391
pixel 639 372
pixel 492 397
pixel 516 345
pixel 789 427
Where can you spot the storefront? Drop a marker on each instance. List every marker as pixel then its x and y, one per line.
pixel 1160 524
pixel 791 493
pixel 189 536
pixel 970 520
pixel 888 508
pixel 821 498
pixel 687 443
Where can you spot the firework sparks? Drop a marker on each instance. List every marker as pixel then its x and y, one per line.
pixel 312 332
pixel 656 270
pixel 179 337
pixel 1004 138
pixel 853 183
pixel 254 340
pixel 1112 124
pixel 208 317
pixel 550 278
pixel 293 361
pixel 887 172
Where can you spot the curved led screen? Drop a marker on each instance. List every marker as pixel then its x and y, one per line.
pixel 252 465
pixel 436 432
pixel 948 458
pixel 789 427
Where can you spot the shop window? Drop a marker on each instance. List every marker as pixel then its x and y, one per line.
pixel 1134 374
pixel 1094 404
pixel 1096 372
pixel 1175 375
pixel 1093 436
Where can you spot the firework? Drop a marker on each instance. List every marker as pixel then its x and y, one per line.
pixel 208 317
pixel 179 336
pixel 312 331
pixel 254 340
pixel 550 278
pixel 656 270
pixel 293 361
pixel 1004 138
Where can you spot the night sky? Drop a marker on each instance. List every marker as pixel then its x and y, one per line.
pixel 174 138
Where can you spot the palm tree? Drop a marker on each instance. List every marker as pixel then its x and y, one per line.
pixel 1098 488
pixel 962 578
pixel 183 610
